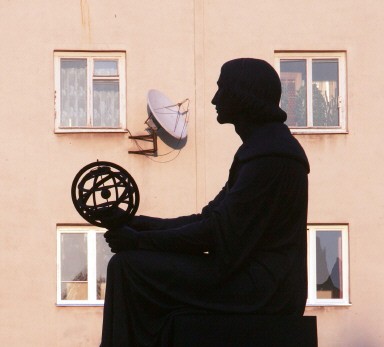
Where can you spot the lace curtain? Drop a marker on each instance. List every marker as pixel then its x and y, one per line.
pixel 73 87
pixel 73 111
pixel 105 103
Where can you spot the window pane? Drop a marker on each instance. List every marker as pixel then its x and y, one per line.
pixel 74 270
pixel 329 265
pixel 103 254
pixel 325 92
pixel 74 290
pixel 105 68
pixel 293 75
pixel 73 92
pixel 106 108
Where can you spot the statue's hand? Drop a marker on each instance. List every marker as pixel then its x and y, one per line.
pixel 122 238
pixel 111 217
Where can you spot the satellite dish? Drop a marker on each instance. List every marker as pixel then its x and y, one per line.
pixel 167 115
pixel 163 114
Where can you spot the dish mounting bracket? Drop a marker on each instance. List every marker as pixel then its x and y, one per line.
pixel 151 137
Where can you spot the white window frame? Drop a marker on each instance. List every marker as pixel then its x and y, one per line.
pixel 91 232
pixel 312 299
pixel 342 102
pixel 91 57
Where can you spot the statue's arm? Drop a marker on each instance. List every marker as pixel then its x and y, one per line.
pixel 143 222
pixel 194 238
pixel 187 234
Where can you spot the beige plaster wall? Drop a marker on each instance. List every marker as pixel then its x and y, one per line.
pixel 177 47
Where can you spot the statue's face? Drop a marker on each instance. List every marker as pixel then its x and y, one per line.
pixel 226 105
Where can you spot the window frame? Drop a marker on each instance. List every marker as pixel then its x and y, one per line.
pixel 91 232
pixel 312 299
pixel 342 102
pixel 91 56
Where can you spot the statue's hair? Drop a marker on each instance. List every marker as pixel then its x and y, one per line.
pixel 256 86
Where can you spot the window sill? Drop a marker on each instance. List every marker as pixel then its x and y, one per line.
pixel 89 130
pixel 312 131
pixel 329 304
pixel 80 304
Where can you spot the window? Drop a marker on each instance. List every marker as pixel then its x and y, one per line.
pixel 82 258
pixel 328 272
pixel 313 91
pixel 89 91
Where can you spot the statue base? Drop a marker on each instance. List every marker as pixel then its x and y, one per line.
pixel 230 330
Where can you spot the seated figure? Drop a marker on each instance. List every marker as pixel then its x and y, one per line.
pixel 245 252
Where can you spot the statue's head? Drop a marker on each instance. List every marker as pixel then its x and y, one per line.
pixel 248 90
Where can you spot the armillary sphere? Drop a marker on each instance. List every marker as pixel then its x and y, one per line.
pixel 105 194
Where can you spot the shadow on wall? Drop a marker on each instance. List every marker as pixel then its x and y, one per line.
pixel 170 140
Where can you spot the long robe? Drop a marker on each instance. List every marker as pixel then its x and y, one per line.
pixel 244 253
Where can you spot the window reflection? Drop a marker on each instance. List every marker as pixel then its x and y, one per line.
pixel 293 76
pixel 325 92
pixel 74 269
pixel 329 264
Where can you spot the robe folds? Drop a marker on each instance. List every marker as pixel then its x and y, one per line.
pixel 244 253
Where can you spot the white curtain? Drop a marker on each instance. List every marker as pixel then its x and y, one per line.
pixel 73 87
pixel 106 107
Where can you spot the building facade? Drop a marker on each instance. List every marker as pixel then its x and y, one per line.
pixel 74 82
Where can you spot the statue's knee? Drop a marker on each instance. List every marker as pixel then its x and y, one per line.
pixel 121 259
pixel 115 262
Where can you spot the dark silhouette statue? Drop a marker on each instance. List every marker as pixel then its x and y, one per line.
pixel 244 253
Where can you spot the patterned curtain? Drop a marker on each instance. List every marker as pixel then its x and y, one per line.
pixel 73 86
pixel 106 106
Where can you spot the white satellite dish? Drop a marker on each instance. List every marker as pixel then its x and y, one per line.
pixel 163 114
pixel 167 115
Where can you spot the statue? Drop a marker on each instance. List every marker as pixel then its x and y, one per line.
pixel 245 252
